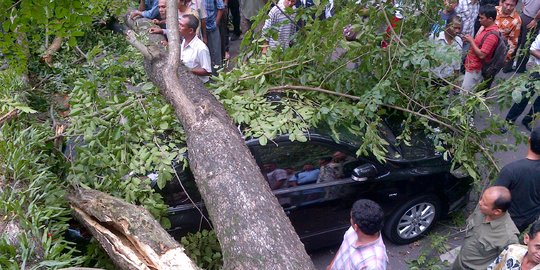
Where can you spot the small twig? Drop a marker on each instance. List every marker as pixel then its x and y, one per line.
pixel 272 71
pixel 339 67
pixel 132 39
pixel 81 52
pixel 8 116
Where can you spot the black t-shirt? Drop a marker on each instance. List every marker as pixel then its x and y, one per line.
pixel 522 178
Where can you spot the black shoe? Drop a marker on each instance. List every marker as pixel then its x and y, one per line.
pixel 521 70
pixel 527 125
pixel 507 69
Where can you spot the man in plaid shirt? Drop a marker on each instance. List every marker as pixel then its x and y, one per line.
pixel 509 24
pixel 362 246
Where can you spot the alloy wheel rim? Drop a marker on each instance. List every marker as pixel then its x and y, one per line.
pixel 416 220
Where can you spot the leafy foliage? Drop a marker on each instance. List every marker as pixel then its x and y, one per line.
pixel 32 203
pixel 28 25
pixel 325 81
pixel 203 248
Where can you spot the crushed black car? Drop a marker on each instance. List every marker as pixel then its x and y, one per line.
pixel 415 187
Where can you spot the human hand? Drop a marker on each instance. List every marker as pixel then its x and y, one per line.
pixel 468 38
pixel 155 30
pixel 164 43
pixel 155 21
pixel 348 33
pixel 532 24
pixel 135 13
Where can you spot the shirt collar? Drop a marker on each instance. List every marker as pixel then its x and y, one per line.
pixel 195 38
pixel 375 242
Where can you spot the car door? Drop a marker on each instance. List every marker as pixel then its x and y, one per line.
pixel 319 212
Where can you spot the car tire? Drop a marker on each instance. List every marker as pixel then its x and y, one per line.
pixel 413 220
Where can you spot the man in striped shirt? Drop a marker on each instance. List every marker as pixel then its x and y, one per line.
pixel 281 22
pixel 362 247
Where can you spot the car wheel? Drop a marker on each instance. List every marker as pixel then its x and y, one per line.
pixel 413 220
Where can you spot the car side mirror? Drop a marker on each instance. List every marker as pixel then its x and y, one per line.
pixel 364 172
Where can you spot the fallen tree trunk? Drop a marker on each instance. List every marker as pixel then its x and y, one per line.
pixel 130 235
pixel 252 228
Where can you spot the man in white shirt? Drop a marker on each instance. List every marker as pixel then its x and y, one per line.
pixel 194 53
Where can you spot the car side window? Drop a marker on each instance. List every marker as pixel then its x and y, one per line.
pixel 304 163
pixel 180 190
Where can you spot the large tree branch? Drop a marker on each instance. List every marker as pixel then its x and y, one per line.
pixel 130 235
pixel 473 139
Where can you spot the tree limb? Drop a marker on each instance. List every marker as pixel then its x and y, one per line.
pixel 47 56
pixel 130 235
pixel 8 116
pixel 317 89
pixel 132 39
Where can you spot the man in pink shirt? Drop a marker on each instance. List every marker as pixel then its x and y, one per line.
pixel 482 48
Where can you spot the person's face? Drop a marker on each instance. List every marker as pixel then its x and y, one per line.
pixel 183 28
pixel 484 21
pixel 508 6
pixel 289 3
pixel 162 6
pixel 486 203
pixel 454 29
pixel 450 5
pixel 533 247
pixel 308 167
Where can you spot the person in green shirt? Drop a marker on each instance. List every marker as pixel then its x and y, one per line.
pixel 489 230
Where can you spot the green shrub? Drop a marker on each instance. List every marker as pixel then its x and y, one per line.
pixel 203 248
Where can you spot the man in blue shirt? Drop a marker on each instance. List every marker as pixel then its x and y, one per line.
pixel 147 9
pixel 214 10
pixel 308 175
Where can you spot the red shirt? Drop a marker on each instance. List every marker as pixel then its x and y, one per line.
pixel 473 62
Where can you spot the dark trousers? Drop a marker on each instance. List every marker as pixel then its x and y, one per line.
pixel 224 33
pixel 518 108
pixel 234 8
pixel 523 52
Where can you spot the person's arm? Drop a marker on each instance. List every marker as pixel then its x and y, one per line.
pixel 141 5
pixel 153 12
pixel 488 45
pixel 200 72
pixel 535 47
pixel 534 22
pixel 505 178
pixel 155 30
pixel 535 53
pixel 220 5
pixel 513 40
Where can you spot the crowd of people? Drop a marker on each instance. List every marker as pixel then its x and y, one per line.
pixel 491 36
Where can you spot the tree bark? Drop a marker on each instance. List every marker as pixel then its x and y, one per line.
pixel 47 56
pixel 252 228
pixel 130 235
